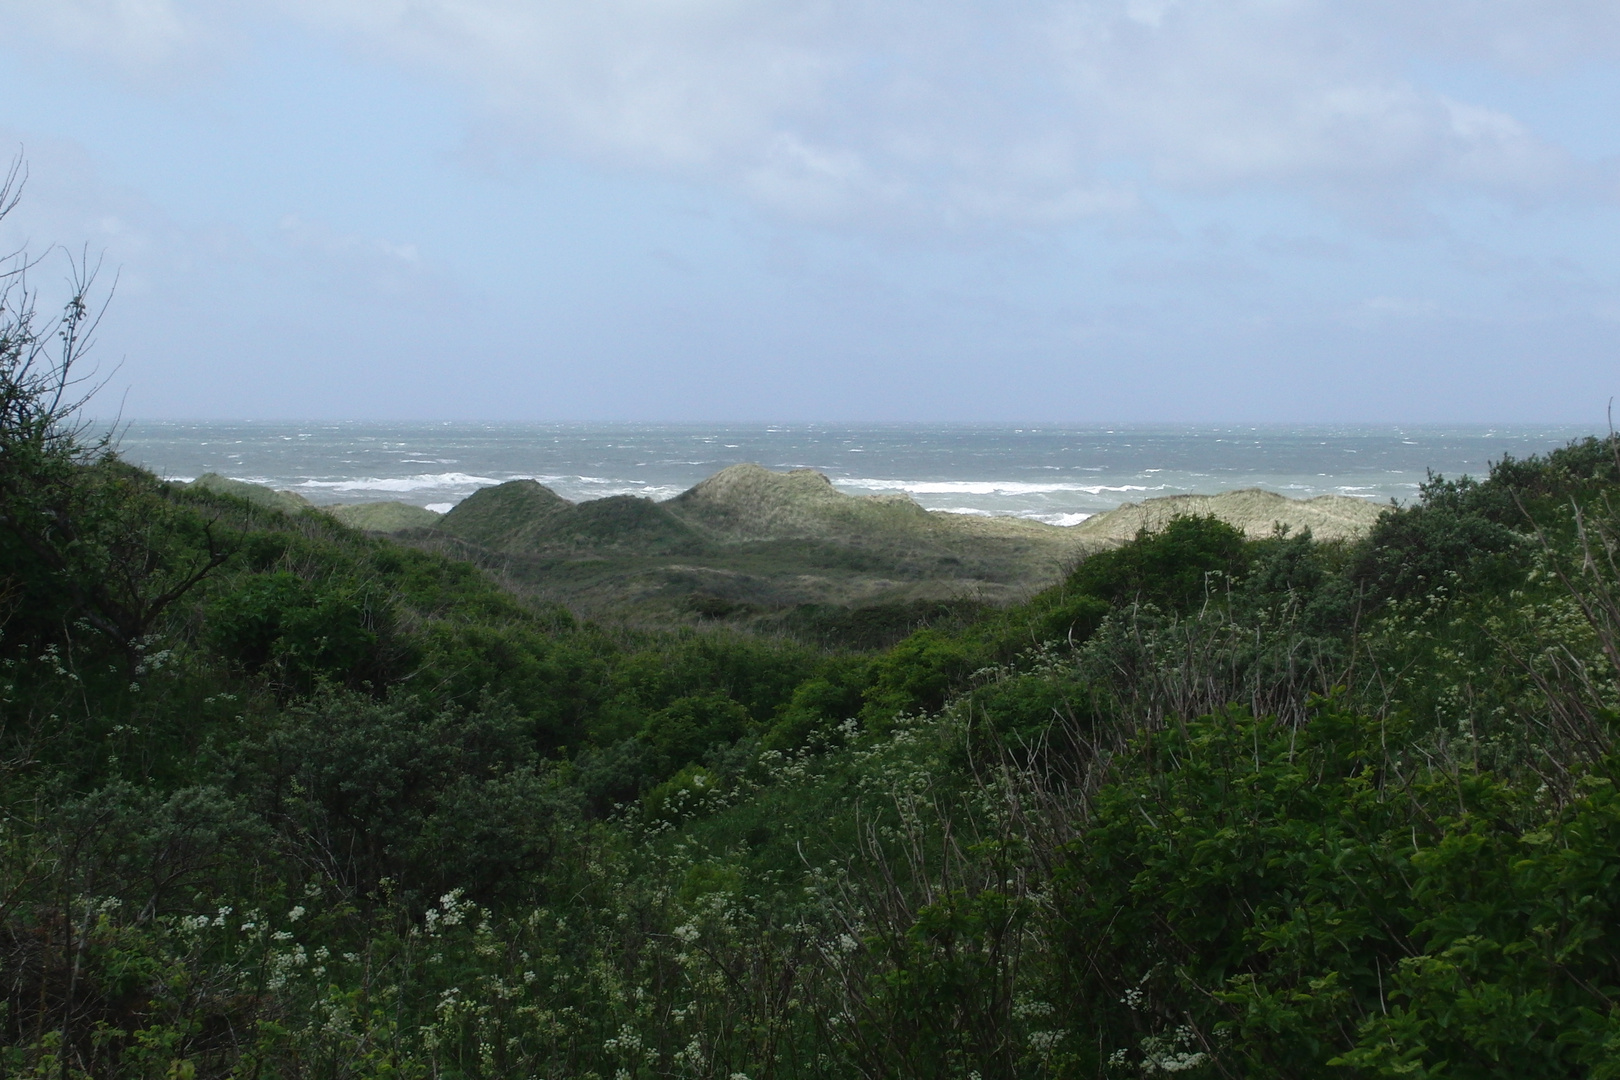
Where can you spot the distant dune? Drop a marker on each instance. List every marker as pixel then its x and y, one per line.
pixel 258 494
pixel 383 516
pixel 754 546
pixel 1256 512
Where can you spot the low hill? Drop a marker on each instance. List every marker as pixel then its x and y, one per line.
pixel 258 494
pixel 752 546
pixel 503 516
pixel 745 503
pixel 384 517
pixel 1256 512
pixel 527 518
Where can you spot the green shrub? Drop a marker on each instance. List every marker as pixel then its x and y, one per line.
pixel 300 630
pixel 687 728
pixel 1189 562
pixel 918 674
pixel 818 705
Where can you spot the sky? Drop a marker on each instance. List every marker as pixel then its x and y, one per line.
pixel 698 210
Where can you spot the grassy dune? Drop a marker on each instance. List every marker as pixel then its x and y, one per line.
pixel 763 549
pixel 1256 512
pixel 768 550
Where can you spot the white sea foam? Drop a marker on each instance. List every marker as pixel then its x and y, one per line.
pixel 1053 477
pixel 1028 515
pixel 440 508
pixel 419 482
pixel 988 487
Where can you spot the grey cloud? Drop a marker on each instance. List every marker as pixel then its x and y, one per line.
pixel 962 111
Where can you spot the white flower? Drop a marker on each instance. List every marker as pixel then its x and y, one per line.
pixel 1181 1062
pixel 453 906
pixel 1044 1042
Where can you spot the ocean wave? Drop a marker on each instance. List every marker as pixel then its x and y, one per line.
pixel 989 487
pixel 583 488
pixel 420 482
pixel 1023 515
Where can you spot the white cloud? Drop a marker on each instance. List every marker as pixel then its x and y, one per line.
pixel 149 40
pixel 962 110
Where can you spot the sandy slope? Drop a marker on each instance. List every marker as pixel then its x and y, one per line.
pixel 1256 512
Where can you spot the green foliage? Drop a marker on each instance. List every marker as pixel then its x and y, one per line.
pixel 431 798
pixel 1265 889
pixel 1193 560
pixel 1584 468
pixel 916 675
pixel 687 727
pixel 1411 553
pixel 818 705
pixel 280 799
pixel 302 630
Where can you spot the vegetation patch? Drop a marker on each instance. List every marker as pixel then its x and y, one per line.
pixel 279 797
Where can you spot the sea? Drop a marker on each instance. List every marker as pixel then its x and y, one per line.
pixel 1060 474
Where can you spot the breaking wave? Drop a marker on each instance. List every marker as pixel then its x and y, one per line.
pixel 988 487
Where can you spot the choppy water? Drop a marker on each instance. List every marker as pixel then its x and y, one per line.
pixel 1055 474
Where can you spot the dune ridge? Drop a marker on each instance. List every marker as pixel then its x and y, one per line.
pixel 1254 510
pixel 751 545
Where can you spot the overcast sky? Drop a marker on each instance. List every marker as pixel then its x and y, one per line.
pixel 1112 210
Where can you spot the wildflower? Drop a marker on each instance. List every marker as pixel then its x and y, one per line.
pixel 1044 1042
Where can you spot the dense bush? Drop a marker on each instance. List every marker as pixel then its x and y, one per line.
pixel 1192 561
pixel 280 799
